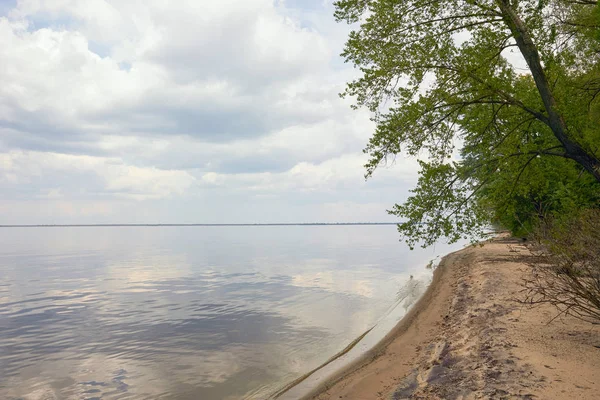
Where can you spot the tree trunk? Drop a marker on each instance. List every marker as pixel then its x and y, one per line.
pixel 573 150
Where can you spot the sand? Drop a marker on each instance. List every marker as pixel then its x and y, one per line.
pixel 468 338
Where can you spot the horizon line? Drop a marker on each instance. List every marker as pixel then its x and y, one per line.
pixel 194 224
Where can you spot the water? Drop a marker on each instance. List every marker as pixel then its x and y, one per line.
pixel 188 312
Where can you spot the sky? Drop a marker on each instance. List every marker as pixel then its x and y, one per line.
pixel 199 111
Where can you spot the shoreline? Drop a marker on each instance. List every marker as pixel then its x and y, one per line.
pixel 467 337
pixel 294 389
pixel 285 391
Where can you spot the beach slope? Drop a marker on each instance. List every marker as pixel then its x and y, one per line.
pixel 468 338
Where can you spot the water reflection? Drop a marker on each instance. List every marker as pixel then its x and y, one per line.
pixel 210 313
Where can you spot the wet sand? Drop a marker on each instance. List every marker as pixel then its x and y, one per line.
pixel 467 338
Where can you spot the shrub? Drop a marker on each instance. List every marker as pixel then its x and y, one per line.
pixel 566 268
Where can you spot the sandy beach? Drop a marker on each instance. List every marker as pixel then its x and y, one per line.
pixel 468 338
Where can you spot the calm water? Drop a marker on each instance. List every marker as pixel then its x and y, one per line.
pixel 188 312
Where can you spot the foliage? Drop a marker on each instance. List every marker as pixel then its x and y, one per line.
pixel 437 77
pixel 548 189
pixel 566 271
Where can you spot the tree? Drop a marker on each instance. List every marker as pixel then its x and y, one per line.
pixel 508 82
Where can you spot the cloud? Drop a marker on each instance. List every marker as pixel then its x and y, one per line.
pixel 201 103
pixel 329 175
pixel 213 70
pixel 25 173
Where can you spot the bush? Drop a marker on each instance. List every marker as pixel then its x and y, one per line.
pixel 566 268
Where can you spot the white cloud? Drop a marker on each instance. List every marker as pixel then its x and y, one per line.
pixel 111 175
pixel 329 175
pixel 199 102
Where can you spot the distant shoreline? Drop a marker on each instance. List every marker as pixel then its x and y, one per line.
pixel 159 225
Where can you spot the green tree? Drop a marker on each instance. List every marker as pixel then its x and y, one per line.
pixel 508 82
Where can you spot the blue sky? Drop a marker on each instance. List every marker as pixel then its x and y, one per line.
pixel 149 111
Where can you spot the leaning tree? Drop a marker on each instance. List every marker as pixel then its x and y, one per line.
pixel 480 91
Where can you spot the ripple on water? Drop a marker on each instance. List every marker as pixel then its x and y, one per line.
pixel 188 313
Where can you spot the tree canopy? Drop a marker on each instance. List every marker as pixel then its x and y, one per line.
pixel 499 100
